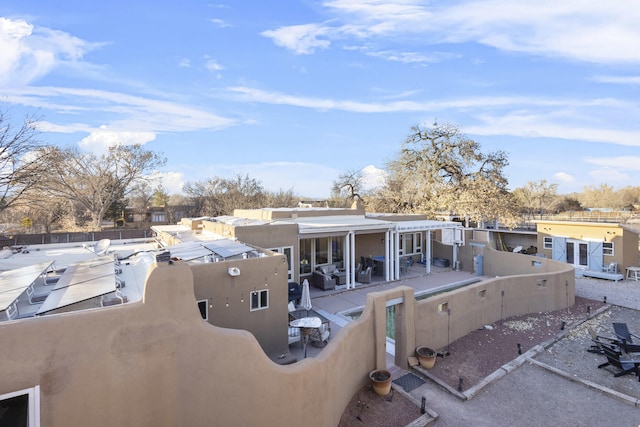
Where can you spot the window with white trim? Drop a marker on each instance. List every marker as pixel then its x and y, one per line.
pixel 259 300
pixel 410 243
pixel 547 243
pixel 20 408
pixel 607 248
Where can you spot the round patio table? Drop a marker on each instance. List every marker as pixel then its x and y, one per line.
pixel 306 325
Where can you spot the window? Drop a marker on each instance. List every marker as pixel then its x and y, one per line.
pixel 158 217
pixel 204 309
pixel 410 243
pixel 288 253
pixel 20 408
pixel 259 300
pixel 322 250
pixel 548 243
pixel 607 248
pixel 305 256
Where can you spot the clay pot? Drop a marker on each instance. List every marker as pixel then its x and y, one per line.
pixel 381 381
pixel 426 357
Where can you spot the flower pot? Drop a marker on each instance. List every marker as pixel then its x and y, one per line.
pixel 381 381
pixel 426 357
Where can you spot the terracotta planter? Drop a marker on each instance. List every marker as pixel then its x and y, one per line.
pixel 381 381
pixel 426 357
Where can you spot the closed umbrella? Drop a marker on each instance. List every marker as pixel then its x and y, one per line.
pixel 305 300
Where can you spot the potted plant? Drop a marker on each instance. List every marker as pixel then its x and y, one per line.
pixel 426 356
pixel 381 381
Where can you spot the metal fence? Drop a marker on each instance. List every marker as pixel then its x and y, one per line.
pixel 75 237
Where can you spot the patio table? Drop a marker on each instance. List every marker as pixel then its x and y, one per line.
pixel 306 325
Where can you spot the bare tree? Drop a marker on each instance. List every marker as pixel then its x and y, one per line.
pixel 21 163
pixel 94 182
pixel 439 169
pixel 538 197
pixel 347 188
pixel 220 196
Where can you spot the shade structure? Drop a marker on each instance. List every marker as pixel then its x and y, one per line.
pixel 305 299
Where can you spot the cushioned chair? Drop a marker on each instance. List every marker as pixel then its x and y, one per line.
pixel 364 276
pixel 322 280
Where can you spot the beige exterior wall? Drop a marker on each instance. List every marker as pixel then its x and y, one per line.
pixel 156 362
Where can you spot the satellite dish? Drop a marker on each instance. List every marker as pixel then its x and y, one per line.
pixel 102 246
pixel 517 249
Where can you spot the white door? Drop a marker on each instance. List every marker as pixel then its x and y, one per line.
pixel 577 253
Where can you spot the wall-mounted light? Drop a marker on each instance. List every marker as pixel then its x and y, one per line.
pixel 227 304
pixel 382 240
pixel 233 271
pixel 242 298
pixel 266 283
pixel 210 302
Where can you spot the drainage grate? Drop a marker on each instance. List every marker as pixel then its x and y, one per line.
pixel 409 381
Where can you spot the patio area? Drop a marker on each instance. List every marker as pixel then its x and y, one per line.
pixel 334 304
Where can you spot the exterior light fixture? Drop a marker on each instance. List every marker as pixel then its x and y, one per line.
pixel 233 271
pixel 242 298
pixel 227 304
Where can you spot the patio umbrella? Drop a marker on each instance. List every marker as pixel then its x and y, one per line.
pixel 305 300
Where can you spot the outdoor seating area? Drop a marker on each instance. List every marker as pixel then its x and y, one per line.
pixel 620 351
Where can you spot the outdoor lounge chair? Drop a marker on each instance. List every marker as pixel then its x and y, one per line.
pixel 616 359
pixel 599 340
pixel 626 342
pixel 364 276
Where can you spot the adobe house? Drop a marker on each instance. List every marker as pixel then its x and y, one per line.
pixel 588 245
pixel 313 238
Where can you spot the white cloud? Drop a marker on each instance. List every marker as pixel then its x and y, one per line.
pixel 373 177
pixel 625 80
pixel 616 162
pixel 184 63
pixel 172 182
pixel 121 112
pixel 220 23
pixel 545 27
pixel 28 53
pixel 101 139
pixel 302 39
pixel 563 177
pixel 212 65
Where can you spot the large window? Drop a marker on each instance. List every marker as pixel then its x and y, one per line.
pixel 259 300
pixel 20 408
pixel 321 251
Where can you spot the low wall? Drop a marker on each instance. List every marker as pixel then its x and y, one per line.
pixel 547 285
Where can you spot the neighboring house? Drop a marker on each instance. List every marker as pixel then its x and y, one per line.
pixel 588 245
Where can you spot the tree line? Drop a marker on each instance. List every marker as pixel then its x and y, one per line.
pixel 437 171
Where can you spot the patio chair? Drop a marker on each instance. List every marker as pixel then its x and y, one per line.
pixel 617 360
pixel 364 276
pixel 626 342
pixel 599 341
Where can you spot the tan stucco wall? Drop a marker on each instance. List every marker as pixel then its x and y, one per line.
pixel 156 362
pixel 212 282
pixel 549 287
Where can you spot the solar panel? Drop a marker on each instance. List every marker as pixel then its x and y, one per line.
pixel 227 248
pixel 14 282
pixel 80 282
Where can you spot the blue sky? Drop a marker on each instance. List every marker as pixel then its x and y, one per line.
pixel 293 93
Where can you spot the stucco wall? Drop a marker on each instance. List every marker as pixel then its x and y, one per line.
pixel 549 287
pixel 156 362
